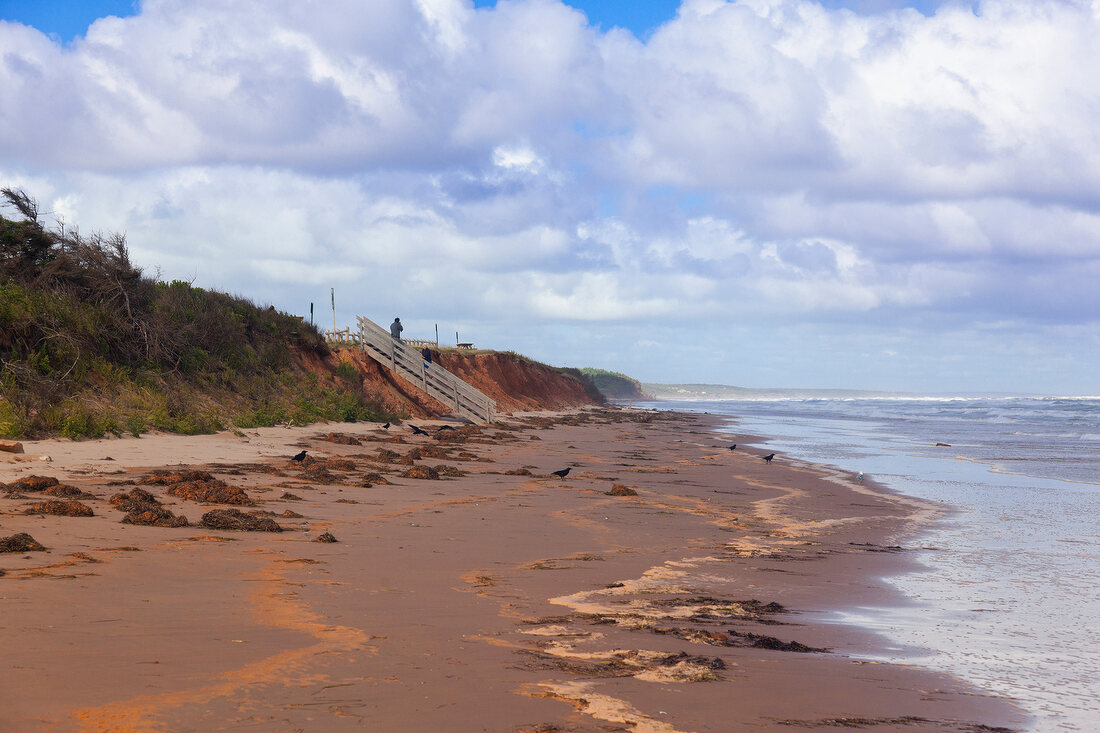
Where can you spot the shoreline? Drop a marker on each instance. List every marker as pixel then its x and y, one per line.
pixel 506 601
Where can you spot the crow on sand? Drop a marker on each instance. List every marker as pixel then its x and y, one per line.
pixel 733 447
pixel 298 457
pixel 562 473
pixel 768 457
pixel 444 427
pixel 418 431
pixel 386 426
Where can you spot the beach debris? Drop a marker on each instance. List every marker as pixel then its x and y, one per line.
pixel 198 485
pixel 326 537
pixel 288 514
pixel 320 475
pixel 640 663
pixel 621 490
pixel 164 477
pixel 11 446
pixel 369 479
pixel 872 547
pixel 290 497
pixel 143 508
pixel 61 509
pixel 429 451
pixel 758 641
pixel 20 542
pixel 445 470
pixel 943 445
pixel 519 472
pixel 211 492
pixel 906 720
pixel 423 472
pixel 235 519
pixel 341 439
pixel 31 483
pixel 64 491
pixel 707 607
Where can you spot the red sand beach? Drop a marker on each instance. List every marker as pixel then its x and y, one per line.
pixel 666 584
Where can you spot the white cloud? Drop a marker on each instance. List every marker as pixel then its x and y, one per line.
pixel 766 158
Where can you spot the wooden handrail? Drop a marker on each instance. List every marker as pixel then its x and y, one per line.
pixel 407 362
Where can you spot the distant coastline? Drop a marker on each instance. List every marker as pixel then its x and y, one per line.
pixel 724 392
pixel 730 392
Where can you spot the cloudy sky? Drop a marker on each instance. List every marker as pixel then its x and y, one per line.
pixel 864 193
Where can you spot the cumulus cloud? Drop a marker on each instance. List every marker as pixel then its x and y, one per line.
pixel 780 160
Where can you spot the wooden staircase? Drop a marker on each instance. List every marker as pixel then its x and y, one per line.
pixel 407 363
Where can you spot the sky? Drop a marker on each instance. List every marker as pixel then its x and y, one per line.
pixel 867 194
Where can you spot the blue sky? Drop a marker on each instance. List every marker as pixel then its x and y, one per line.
pixel 71 18
pixel 65 18
pixel 764 193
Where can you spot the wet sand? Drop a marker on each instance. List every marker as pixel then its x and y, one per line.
pixel 496 597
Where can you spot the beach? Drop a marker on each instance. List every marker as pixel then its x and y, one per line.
pixel 665 584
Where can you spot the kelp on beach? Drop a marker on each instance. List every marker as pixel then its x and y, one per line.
pixel 542 603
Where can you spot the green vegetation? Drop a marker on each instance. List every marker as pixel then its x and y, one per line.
pixel 615 386
pixel 90 346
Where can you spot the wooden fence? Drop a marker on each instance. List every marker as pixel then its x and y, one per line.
pixel 406 362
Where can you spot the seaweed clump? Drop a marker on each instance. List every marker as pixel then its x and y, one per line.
pixel 143 508
pixel 20 542
pixel 235 519
pixel 61 509
pixel 199 486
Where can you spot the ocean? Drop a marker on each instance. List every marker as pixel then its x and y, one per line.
pixel 1010 595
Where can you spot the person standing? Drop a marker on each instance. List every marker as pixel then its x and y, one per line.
pixel 396 328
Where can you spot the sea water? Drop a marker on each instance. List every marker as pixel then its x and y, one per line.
pixel 1010 597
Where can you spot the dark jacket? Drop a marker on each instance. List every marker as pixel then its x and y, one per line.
pixel 396 328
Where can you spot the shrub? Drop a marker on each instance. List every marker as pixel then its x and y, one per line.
pixel 90 345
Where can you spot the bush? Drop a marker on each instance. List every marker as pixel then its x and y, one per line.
pixel 90 345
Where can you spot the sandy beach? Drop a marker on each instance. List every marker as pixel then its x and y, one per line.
pixel 666 584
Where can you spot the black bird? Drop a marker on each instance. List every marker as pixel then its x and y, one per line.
pixel 445 427
pixel 299 457
pixel 733 447
pixel 386 426
pixel 769 457
pixel 418 431
pixel 562 473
